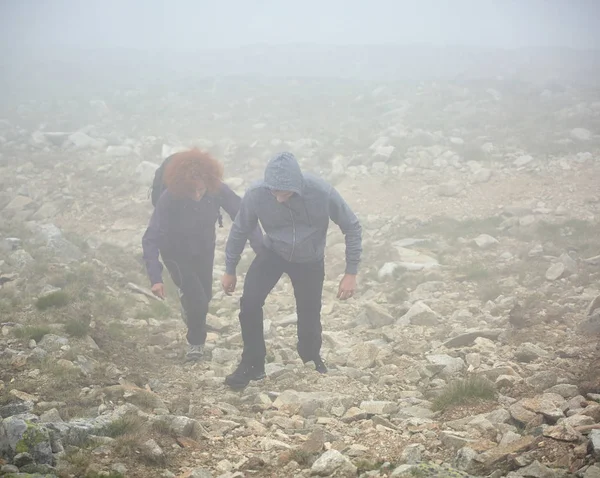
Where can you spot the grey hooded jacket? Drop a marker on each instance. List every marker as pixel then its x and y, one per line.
pixel 297 229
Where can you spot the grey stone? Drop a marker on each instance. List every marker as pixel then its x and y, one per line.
pixel 51 416
pixel 307 402
pixel 453 440
pixel 201 473
pixel 564 390
pixel 376 315
pixel 8 469
pixel 19 436
pixel 528 352
pixel 53 343
pixel 22 459
pixel 412 454
pixel 52 237
pixel 15 408
pixel 555 271
pixel 542 380
pixel 592 472
pixel 468 338
pixel 363 355
pixel 451 365
pixel 536 470
pixel 152 451
pixel 594 444
pixel 421 314
pixel 466 459
pixel 333 462
pixel 485 241
pixel 379 407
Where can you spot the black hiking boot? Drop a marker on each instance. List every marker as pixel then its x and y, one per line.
pixel 242 375
pixel 195 353
pixel 319 365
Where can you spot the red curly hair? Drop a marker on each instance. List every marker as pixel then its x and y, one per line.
pixel 189 169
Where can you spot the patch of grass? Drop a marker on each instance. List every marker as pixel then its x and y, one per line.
pixel 35 332
pixel 61 376
pixel 489 291
pixel 54 299
pixel 109 307
pixel 157 310
pixel 302 457
pixel 161 427
pixel 474 272
pixel 77 240
pixel 144 399
pixel 127 425
pixel 78 327
pixel 465 391
pixel 106 474
pixel 128 444
pixel 452 229
pixel 365 465
pixel 79 460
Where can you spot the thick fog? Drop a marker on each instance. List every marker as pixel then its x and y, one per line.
pixel 188 24
pixel 148 41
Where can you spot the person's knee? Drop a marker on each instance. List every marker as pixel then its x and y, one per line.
pixel 251 304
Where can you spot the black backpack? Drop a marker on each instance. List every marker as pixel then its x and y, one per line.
pixel 158 186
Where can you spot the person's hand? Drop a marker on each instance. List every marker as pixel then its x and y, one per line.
pixel 159 290
pixel 347 287
pixel 228 283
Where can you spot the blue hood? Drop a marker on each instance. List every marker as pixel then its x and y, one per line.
pixel 283 173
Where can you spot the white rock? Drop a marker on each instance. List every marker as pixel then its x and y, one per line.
pixel 581 134
pixel 523 160
pixel 485 241
pixel 420 314
pixel 145 172
pixel 483 175
pixel 450 189
pixel 555 271
pixel 82 141
pixel 119 151
pixel 333 463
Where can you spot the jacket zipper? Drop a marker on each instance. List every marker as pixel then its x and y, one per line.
pixel 293 234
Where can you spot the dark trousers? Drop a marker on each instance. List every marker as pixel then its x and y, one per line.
pixel 307 281
pixel 194 278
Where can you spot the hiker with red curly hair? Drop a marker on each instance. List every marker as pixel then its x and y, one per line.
pixel 182 231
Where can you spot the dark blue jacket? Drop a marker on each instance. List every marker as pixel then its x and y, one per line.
pixel 182 228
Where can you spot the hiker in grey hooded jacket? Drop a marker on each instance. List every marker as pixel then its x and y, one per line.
pixel 294 210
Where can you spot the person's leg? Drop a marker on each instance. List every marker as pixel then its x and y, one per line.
pixel 263 274
pixel 203 268
pixel 307 280
pixel 194 301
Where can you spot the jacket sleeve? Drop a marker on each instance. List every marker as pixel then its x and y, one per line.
pixel 150 243
pixel 341 214
pixel 230 202
pixel 246 221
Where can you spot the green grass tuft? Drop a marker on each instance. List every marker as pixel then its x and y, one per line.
pixel 465 391
pixel 35 332
pixel 54 299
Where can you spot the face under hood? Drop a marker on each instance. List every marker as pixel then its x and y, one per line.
pixel 283 173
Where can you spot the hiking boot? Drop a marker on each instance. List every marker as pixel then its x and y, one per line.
pixel 194 353
pixel 242 375
pixel 320 365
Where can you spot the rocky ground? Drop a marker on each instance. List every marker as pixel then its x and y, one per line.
pixel 470 349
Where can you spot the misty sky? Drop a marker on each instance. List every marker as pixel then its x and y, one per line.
pixel 195 24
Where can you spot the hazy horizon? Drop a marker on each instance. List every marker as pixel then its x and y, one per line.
pixel 192 25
